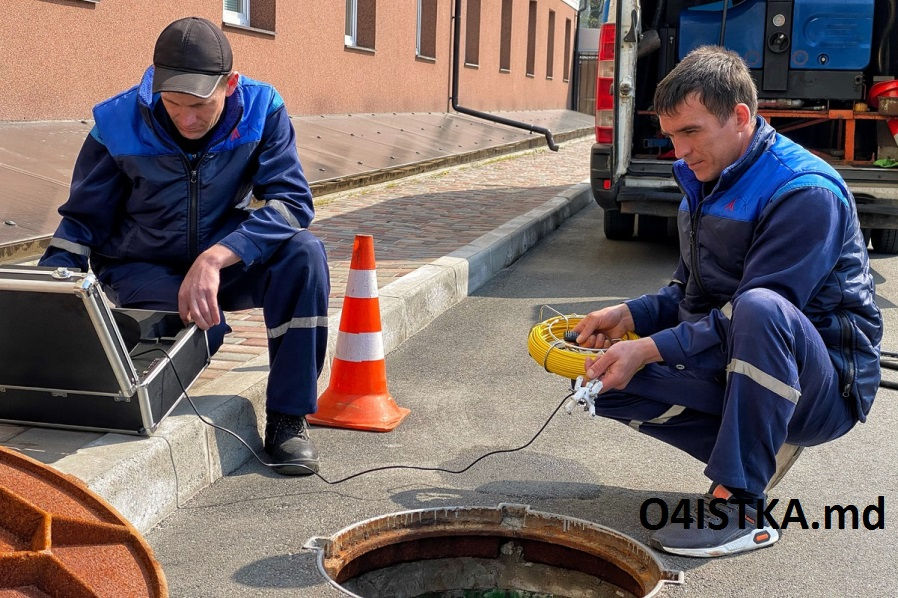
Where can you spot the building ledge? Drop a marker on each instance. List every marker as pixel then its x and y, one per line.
pixel 265 32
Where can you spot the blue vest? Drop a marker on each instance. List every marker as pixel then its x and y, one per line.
pixel 174 210
pixel 716 234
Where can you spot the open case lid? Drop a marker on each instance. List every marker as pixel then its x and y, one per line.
pixel 58 334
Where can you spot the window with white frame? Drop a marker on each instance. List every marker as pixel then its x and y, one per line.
pixel 352 10
pixel 505 37
pixel 531 39
pixel 472 33
pixel 361 19
pixel 426 45
pixel 236 12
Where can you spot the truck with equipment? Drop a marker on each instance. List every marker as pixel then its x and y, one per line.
pixel 826 77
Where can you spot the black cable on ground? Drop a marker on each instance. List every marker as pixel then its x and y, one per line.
pixel 355 475
pixel 885 363
pixel 883 383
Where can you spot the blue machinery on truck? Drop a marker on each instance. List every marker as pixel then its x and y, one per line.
pixel 796 49
pixel 801 49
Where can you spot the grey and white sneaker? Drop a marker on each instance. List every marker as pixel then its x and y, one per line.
pixel 725 526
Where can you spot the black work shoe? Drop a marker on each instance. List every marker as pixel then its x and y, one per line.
pixel 723 527
pixel 288 444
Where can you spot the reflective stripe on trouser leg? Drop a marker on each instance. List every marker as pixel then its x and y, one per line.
pixel 297 356
pixel 665 417
pixel 677 407
pixel 292 288
pixel 767 398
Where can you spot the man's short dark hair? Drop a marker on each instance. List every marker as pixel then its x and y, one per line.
pixel 718 76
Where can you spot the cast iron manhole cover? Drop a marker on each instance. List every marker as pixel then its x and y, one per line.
pixel 57 538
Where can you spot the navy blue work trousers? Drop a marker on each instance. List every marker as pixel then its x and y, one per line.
pixel 292 288
pixel 770 382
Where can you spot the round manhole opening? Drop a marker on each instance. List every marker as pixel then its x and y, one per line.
pixel 479 552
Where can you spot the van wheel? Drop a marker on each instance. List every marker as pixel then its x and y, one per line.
pixel 885 240
pixel 618 226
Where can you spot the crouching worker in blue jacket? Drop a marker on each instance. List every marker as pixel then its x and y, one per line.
pixel 767 338
pixel 159 206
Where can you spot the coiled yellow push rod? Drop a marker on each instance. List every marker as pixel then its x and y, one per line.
pixel 548 348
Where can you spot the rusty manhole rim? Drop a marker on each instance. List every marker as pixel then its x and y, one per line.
pixel 508 520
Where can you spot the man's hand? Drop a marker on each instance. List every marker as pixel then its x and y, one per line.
pixel 598 328
pixel 198 295
pixel 617 366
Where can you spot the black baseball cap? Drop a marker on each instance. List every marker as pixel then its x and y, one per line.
pixel 191 56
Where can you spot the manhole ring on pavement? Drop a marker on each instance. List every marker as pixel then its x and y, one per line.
pixel 507 551
pixel 58 538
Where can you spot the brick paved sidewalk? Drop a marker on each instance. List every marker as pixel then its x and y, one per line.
pixel 417 220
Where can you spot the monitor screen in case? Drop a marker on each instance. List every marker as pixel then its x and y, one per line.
pixel 67 359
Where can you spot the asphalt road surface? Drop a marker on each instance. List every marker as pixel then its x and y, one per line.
pixel 472 388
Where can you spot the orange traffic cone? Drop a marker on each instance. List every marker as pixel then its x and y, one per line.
pixel 357 395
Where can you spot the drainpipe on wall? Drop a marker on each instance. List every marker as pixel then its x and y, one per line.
pixel 476 113
pixel 575 65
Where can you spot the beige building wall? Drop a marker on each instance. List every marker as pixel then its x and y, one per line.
pixel 60 57
pixel 487 88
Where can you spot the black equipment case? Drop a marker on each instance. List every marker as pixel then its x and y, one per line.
pixel 67 359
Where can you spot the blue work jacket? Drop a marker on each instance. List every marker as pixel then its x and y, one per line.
pixel 137 196
pixel 781 219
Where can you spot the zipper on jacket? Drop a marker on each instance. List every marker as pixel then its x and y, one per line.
pixel 693 245
pixel 847 352
pixel 192 187
pixel 193 218
pixel 693 235
pixel 192 207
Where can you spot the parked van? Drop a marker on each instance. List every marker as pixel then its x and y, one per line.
pixel 826 77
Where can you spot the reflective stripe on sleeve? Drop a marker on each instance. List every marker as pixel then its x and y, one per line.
pixel 282 209
pixel 70 246
pixel 727 310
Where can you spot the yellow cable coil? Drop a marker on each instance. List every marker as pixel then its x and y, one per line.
pixel 548 348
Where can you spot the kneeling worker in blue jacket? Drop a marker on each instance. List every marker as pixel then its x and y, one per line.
pixel 159 206
pixel 767 338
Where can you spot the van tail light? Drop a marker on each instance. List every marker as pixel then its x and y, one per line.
pixel 605 85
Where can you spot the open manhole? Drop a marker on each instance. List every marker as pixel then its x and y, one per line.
pixel 58 538
pixel 480 552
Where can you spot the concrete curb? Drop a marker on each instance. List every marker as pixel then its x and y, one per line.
pixel 147 479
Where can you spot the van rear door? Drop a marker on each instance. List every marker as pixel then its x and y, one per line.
pixel 619 34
